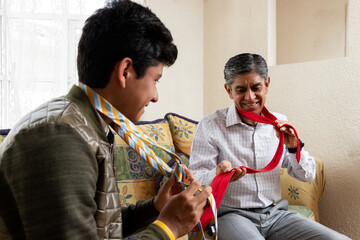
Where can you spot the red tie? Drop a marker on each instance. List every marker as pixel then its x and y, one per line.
pixel 221 181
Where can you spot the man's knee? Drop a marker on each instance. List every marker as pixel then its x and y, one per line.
pixel 236 227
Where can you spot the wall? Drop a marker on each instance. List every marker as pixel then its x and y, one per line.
pixel 181 86
pixel 310 30
pixel 322 101
pixel 321 98
pixel 230 27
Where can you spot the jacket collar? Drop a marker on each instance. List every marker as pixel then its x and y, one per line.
pixel 78 97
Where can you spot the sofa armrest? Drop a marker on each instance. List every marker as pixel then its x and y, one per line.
pixel 307 194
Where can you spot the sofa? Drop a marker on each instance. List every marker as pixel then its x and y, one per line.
pixel 136 180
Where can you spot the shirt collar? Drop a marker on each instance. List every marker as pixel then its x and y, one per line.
pixel 233 118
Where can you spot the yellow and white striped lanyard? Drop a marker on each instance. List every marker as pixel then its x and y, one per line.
pixel 137 140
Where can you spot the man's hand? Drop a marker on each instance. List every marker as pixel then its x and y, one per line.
pixel 183 210
pixel 225 166
pixel 290 139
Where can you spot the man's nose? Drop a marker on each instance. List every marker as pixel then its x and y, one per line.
pixel 249 95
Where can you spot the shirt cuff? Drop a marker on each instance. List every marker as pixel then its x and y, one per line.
pixel 165 228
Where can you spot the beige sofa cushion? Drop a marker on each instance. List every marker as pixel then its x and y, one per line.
pixel 306 194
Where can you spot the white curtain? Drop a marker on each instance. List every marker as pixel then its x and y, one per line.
pixel 38 52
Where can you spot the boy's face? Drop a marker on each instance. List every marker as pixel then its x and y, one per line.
pixel 140 92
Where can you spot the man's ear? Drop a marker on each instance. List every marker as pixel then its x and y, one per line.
pixel 228 90
pixel 124 71
pixel 267 84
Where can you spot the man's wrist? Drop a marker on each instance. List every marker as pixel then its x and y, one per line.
pixel 294 150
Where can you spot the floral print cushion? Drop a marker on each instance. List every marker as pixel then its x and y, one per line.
pixel 136 179
pixel 306 194
pixel 2 138
pixel 3 134
pixel 183 132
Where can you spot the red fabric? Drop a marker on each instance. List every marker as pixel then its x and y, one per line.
pixel 221 181
pixel 219 186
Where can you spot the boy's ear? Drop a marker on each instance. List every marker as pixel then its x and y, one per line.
pixel 124 71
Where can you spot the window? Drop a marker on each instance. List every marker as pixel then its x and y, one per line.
pixel 38 48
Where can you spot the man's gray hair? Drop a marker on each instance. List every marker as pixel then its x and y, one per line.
pixel 245 63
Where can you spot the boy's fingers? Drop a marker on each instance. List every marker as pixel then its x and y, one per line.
pixel 169 183
pixel 192 188
pixel 203 195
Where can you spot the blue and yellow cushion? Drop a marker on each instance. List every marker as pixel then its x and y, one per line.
pixel 2 138
pixel 136 179
pixel 3 134
pixel 182 131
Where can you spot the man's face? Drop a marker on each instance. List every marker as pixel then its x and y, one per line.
pixel 248 91
pixel 140 92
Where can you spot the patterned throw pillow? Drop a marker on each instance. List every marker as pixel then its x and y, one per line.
pixel 306 194
pixel 136 179
pixel 3 134
pixel 183 132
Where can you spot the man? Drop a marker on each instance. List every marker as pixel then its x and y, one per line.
pixel 252 207
pixel 57 177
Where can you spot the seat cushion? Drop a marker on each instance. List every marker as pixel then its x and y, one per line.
pixel 305 211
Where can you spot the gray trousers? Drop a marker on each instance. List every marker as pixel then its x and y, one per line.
pixel 271 223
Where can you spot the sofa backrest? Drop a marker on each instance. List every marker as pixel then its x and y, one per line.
pixel 137 180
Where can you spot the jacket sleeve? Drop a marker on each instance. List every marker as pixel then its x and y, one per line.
pixel 154 232
pixel 51 175
pixel 136 218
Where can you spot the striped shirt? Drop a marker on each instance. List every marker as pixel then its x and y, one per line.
pixel 223 136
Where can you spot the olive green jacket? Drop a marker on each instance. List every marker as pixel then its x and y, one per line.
pixel 58 178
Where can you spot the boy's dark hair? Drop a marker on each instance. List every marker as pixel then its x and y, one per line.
pixel 122 29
